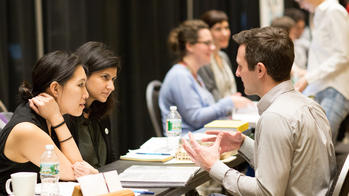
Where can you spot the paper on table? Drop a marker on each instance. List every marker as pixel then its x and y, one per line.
pixel 157 145
pixel 156 176
pixel 248 114
pixel 65 188
pixel 155 149
pixel 92 185
pixel 133 156
pixel 100 183
pixel 112 180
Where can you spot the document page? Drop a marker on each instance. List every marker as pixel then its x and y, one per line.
pixel 156 176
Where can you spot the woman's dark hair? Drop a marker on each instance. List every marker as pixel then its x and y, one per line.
pixel 213 17
pixel 187 32
pixel 97 56
pixel 56 66
pixel 295 14
pixel 271 46
pixel 283 22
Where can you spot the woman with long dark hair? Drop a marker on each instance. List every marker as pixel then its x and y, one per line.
pixel 58 88
pixel 92 130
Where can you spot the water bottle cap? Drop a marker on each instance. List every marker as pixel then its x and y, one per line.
pixel 49 147
pixel 173 108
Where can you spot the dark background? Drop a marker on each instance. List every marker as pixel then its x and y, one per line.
pixel 136 30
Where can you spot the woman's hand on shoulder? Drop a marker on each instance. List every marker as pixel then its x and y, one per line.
pixel 83 168
pixel 46 106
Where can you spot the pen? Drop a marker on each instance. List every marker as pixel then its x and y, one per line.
pixel 153 153
pixel 144 192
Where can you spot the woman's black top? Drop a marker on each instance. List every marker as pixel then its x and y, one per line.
pixel 23 113
pixel 96 137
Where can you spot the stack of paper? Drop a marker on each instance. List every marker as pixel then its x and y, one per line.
pixel 227 125
pixel 155 149
pixel 157 176
pixel 248 114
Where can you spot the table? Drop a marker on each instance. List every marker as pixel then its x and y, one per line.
pixel 201 177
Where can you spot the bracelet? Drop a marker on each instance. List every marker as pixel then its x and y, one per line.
pixel 66 139
pixel 60 124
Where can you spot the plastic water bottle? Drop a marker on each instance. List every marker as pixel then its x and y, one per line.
pixel 49 172
pixel 173 128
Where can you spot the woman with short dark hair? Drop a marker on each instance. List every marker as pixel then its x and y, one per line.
pixel 217 75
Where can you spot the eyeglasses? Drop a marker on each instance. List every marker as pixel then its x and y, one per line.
pixel 207 43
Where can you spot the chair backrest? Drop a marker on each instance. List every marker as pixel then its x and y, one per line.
pixel 152 98
pixel 4 118
pixel 341 186
pixel 2 107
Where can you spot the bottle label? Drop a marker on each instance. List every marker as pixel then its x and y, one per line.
pixel 174 125
pixel 49 168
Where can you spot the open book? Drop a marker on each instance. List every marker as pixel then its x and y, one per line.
pixel 157 176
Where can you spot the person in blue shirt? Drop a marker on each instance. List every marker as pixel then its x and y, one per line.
pixel 192 42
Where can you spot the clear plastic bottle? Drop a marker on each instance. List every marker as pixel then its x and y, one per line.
pixel 173 128
pixel 49 172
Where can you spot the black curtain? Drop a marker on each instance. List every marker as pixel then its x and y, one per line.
pixel 17 47
pixel 136 30
pixel 4 83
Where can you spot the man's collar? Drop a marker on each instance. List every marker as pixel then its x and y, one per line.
pixel 272 94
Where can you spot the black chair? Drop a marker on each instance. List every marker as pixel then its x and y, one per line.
pixel 152 98
pixel 4 118
pixel 340 184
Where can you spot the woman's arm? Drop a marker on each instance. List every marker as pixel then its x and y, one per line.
pixel 46 106
pixel 26 142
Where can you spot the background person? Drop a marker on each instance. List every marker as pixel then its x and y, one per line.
pixel 302 37
pixel 289 25
pixel 182 87
pixel 293 137
pixel 58 88
pixel 327 76
pixel 92 130
pixel 217 76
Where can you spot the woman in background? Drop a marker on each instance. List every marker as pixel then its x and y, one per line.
pixel 58 88
pixel 290 26
pixel 92 130
pixel 217 75
pixel 182 87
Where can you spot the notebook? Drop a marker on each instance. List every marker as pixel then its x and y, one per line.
pixel 227 125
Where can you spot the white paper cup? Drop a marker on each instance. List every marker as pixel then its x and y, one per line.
pixel 23 184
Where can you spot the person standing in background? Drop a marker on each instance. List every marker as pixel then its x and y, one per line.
pixel 327 76
pixel 217 76
pixel 92 130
